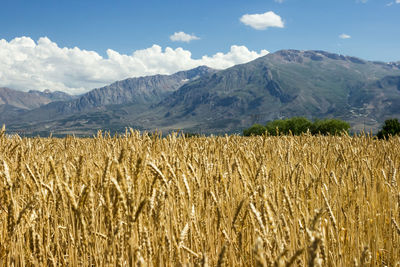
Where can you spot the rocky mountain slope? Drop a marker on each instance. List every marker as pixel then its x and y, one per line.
pixel 142 90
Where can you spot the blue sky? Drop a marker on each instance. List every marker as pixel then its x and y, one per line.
pixel 122 27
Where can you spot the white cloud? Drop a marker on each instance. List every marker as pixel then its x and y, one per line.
pixel 391 3
pixel 262 21
pixel 279 1
pixel 183 37
pixel 26 64
pixel 344 36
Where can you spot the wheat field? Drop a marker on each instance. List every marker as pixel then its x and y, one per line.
pixel 147 200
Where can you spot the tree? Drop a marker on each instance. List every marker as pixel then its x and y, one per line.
pixel 391 127
pixel 256 129
pixel 298 125
pixel 329 126
pixel 277 127
pixel 295 125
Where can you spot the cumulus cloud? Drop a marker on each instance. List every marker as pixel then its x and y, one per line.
pixel 344 36
pixel 183 37
pixel 26 64
pixel 262 21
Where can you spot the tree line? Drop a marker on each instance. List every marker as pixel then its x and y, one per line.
pixel 300 125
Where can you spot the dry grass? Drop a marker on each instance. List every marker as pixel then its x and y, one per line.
pixel 145 200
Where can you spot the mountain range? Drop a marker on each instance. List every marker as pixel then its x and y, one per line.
pixel 287 83
pixel 14 103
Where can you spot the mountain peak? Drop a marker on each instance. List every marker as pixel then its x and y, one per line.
pixel 196 72
pixel 202 68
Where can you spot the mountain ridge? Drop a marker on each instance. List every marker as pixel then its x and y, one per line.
pixel 140 90
pixel 147 89
pixel 310 83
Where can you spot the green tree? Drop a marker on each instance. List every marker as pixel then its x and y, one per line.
pixel 391 127
pixel 277 127
pixel 298 125
pixel 256 129
pixel 295 125
pixel 329 126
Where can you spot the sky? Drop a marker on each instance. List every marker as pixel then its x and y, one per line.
pixel 77 45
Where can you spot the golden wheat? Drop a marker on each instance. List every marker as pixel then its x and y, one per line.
pixel 141 199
